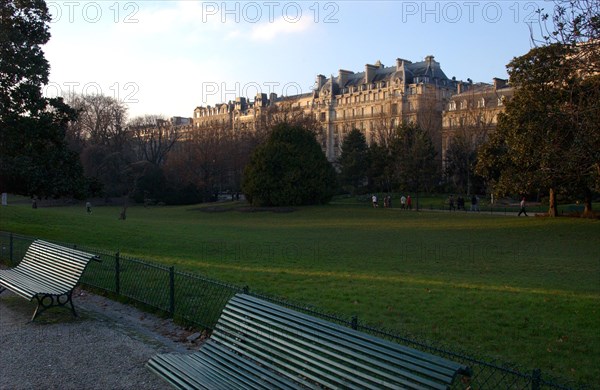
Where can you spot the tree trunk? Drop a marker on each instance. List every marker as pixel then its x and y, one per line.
pixel 552 208
pixel 587 202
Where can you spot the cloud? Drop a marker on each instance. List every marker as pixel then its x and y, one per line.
pixel 270 30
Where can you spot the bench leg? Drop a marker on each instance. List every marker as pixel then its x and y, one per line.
pixel 55 300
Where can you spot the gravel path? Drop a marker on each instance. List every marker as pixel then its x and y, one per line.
pixel 106 347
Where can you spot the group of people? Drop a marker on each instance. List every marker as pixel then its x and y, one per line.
pixel 459 203
pixel 405 202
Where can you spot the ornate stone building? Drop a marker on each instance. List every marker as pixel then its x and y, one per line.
pixel 473 112
pixel 374 101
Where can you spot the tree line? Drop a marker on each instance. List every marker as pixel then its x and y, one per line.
pixel 546 141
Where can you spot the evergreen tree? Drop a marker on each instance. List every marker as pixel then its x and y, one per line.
pixel 289 169
pixel 414 158
pixel 548 137
pixel 34 157
pixel 354 160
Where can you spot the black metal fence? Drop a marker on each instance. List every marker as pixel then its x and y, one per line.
pixel 199 301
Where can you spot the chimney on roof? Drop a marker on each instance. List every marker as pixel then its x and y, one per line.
pixel 320 81
pixel 369 73
pixel 459 87
pixel 272 98
pixel 399 63
pixel 499 83
pixel 260 100
pixel 343 77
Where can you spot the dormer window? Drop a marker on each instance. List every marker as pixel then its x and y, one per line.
pixel 481 103
pixel 452 105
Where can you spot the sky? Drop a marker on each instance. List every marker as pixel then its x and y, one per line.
pixel 169 57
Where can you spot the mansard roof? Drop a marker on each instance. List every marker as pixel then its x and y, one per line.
pixel 408 71
pixel 481 89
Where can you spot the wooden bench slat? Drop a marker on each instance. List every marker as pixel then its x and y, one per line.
pixel 322 361
pixel 276 359
pixel 350 335
pixel 178 372
pixel 26 286
pixel 205 370
pixel 46 285
pixel 262 372
pixel 245 375
pixel 353 350
pixel 46 270
pixel 258 344
pixel 285 353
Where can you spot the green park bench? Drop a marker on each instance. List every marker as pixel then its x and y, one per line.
pixel 48 273
pixel 575 208
pixel 260 345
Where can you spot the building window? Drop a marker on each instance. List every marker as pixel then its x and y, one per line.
pixel 463 105
pixel 452 106
pixel 481 103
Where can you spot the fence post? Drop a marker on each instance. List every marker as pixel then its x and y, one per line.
pixel 536 379
pixel 172 290
pixel 118 273
pixel 354 322
pixel 11 248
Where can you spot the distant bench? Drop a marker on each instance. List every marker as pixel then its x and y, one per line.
pixel 48 273
pixel 260 345
pixel 576 208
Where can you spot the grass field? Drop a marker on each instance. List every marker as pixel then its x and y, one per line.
pixel 524 290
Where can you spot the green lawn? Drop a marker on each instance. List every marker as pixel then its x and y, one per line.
pixel 524 290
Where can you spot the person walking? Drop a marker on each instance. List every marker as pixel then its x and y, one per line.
pixel 374 199
pixel 460 202
pixel 403 202
pixel 522 211
pixel 409 203
pixel 474 203
pixel 88 207
pixel 451 203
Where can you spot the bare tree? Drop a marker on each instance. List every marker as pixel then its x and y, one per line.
pixel 383 131
pixel 100 137
pixel 101 120
pixel 154 137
